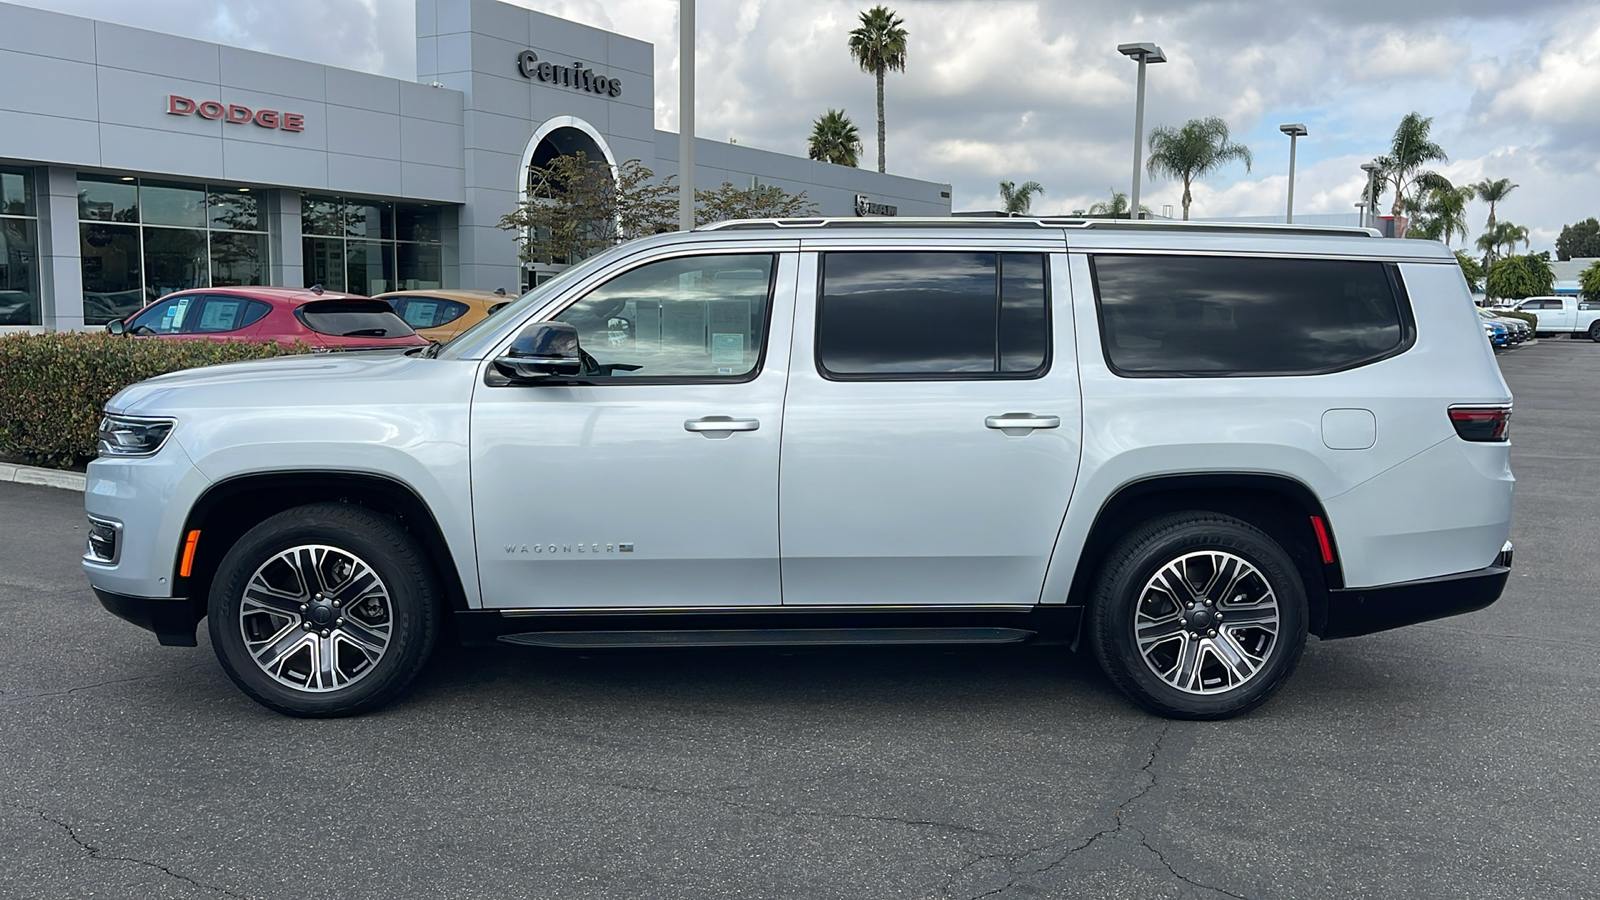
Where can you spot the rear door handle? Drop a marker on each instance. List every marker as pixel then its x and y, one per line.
pixel 1018 424
pixel 717 427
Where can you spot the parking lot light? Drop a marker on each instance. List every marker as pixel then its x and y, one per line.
pixel 1144 52
pixel 1293 131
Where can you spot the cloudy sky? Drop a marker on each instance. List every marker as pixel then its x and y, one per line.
pixel 1035 90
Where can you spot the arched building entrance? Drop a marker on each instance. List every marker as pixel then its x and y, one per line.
pixel 559 136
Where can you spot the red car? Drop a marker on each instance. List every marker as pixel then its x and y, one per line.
pixel 310 316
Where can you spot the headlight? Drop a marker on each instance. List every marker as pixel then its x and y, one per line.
pixel 133 435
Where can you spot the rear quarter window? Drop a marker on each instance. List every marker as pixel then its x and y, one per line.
pixel 1218 316
pixel 353 318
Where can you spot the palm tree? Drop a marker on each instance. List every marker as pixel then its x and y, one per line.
pixel 1503 234
pixel 1441 214
pixel 1193 151
pixel 879 45
pixel 1410 149
pixel 834 139
pixel 1492 192
pixel 1115 208
pixel 1017 198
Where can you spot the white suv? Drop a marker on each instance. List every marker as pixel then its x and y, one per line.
pixel 1191 446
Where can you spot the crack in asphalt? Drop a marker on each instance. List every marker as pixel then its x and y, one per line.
pixel 1119 827
pixel 95 854
pixel 99 684
pixel 793 810
pixel 1145 843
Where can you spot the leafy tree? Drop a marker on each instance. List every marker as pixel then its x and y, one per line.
pixel 879 45
pixel 1515 277
pixel 576 208
pixel 1589 283
pixel 763 201
pixel 1504 234
pixel 1194 151
pixel 1018 199
pixel 1115 208
pixel 1492 192
pixel 1440 214
pixel 834 139
pixel 1401 168
pixel 1471 270
pixel 1580 240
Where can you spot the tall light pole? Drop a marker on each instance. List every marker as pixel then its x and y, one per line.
pixel 685 115
pixel 1372 199
pixel 1143 53
pixel 1293 131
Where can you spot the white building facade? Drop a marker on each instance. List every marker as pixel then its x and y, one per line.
pixel 135 163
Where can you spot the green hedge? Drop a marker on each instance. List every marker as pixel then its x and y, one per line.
pixel 53 386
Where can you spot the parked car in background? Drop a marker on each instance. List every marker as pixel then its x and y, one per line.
pixel 1499 335
pixel 441 315
pixel 1563 315
pixel 1517 330
pixel 310 316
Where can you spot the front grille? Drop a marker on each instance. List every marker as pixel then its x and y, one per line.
pixel 105 540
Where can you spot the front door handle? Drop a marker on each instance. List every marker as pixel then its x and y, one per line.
pixel 718 427
pixel 1019 424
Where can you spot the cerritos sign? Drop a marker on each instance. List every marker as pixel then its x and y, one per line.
pixel 235 114
pixel 574 76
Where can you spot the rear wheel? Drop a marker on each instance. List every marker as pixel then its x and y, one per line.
pixel 1198 616
pixel 1594 331
pixel 324 610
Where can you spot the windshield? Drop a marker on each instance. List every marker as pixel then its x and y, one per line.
pixel 468 344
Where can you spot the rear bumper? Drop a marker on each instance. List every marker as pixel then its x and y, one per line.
pixel 1357 611
pixel 173 619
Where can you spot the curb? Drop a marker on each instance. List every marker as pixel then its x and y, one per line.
pixel 56 478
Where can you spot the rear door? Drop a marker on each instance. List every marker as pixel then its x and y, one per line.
pixel 931 428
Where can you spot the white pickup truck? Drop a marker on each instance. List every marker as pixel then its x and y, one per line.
pixel 1569 314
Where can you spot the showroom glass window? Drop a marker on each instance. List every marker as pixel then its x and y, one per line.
pixel 142 239
pixel 371 246
pixel 1218 316
pixel 19 249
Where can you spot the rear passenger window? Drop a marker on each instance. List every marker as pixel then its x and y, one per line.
pixel 220 314
pixel 910 315
pixel 1231 316
pixel 428 312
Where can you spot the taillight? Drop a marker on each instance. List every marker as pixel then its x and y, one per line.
pixel 1482 423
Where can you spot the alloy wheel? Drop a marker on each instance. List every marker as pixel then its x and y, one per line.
pixel 1206 622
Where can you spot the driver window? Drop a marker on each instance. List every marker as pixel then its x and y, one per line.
pixel 165 317
pixel 693 316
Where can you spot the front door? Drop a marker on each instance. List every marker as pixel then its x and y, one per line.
pixel 931 432
pixel 650 481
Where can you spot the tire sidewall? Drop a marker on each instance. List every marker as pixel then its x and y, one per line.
pixel 1145 553
pixel 378 541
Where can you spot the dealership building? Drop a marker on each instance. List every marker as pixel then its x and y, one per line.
pixel 135 163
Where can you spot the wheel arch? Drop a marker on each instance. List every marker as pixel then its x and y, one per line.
pixel 231 507
pixel 1279 505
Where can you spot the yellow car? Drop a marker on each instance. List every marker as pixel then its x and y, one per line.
pixel 443 314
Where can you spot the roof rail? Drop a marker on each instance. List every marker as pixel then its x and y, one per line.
pixel 975 222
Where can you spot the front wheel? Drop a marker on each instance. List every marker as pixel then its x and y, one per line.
pixel 1198 616
pixel 324 610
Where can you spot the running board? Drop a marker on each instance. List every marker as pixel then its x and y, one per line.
pixel 765 637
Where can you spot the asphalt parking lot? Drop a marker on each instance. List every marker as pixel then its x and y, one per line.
pixel 1453 759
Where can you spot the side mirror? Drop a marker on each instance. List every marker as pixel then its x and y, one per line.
pixel 543 350
pixel 117 326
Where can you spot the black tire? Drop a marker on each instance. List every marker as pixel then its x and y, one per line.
pixel 1128 596
pixel 1594 331
pixel 395 611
